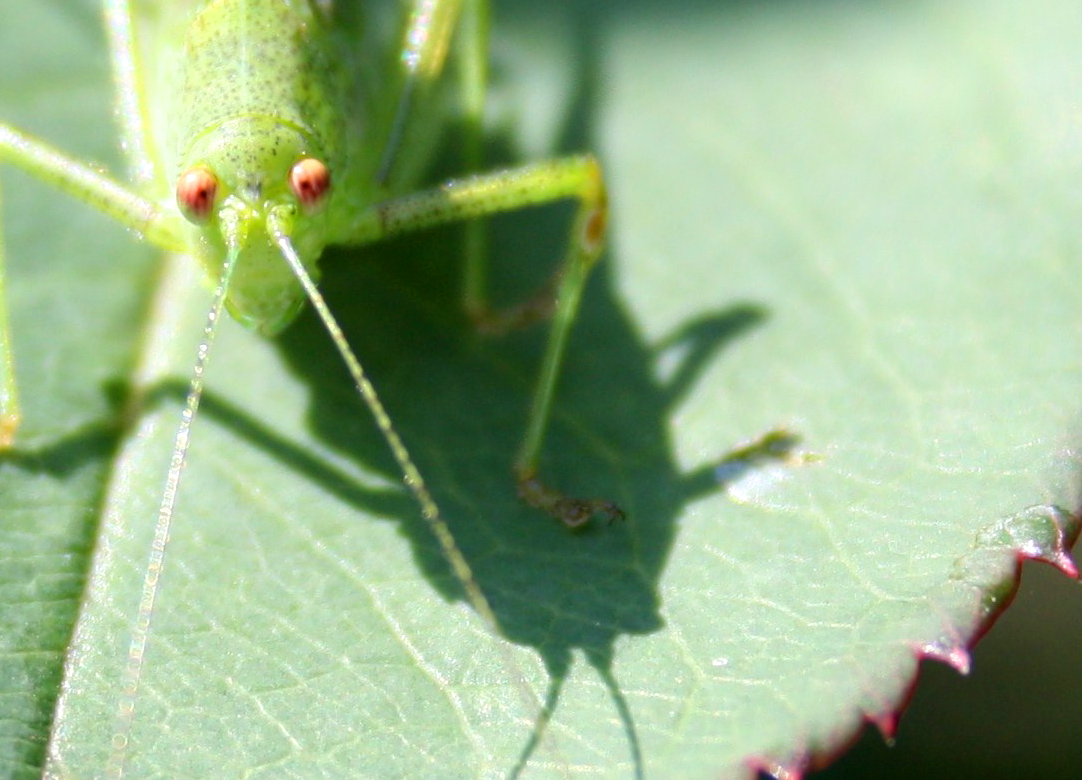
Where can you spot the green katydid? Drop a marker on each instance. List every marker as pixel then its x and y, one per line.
pixel 274 151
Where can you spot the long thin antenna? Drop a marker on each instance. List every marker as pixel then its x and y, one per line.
pixel 414 481
pixel 132 674
pixel 416 484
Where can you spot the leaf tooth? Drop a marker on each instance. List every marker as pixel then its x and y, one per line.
pixel 1056 549
pixel 791 769
pixel 886 721
pixel 954 655
pixel 1060 558
pixel 1044 532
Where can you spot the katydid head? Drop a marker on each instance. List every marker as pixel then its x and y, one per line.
pixel 244 186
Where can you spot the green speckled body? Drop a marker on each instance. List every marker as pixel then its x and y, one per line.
pixel 259 58
pixel 259 85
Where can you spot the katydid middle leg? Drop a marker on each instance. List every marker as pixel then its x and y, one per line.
pixel 433 26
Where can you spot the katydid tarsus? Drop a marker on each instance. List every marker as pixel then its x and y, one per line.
pixel 277 143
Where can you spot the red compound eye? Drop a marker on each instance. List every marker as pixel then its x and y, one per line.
pixel 195 194
pixel 310 181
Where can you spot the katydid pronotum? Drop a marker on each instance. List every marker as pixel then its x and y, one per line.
pixel 277 143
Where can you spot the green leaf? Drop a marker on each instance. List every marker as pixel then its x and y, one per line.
pixel 856 222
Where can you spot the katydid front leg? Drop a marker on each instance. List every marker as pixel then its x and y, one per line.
pixel 83 183
pixel 576 178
